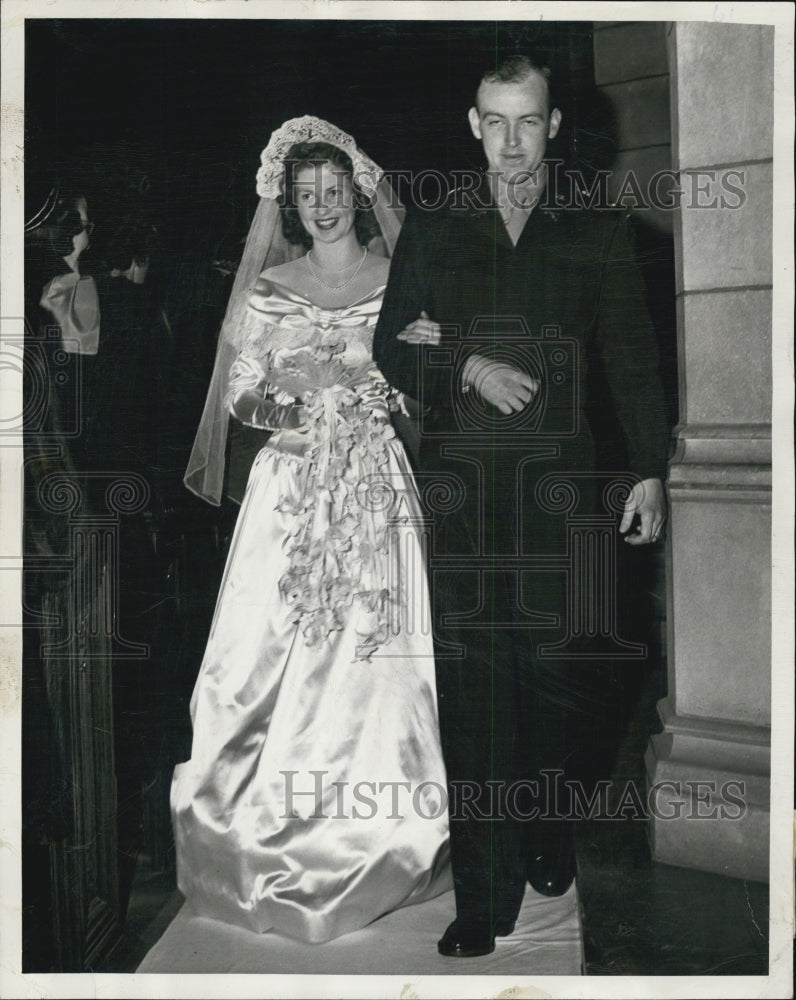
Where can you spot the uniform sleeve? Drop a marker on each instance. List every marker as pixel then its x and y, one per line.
pixel 405 298
pixel 629 350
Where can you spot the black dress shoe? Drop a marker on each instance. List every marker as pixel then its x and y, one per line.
pixel 551 869
pixel 468 937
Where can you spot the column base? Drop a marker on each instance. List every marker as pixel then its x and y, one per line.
pixel 709 794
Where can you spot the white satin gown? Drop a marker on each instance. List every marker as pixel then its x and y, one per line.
pixel 314 800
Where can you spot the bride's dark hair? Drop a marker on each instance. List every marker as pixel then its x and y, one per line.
pixel 304 154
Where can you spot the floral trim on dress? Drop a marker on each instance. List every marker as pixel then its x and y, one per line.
pixel 346 422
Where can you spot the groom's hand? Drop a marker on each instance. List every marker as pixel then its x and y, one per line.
pixel 646 505
pixel 501 384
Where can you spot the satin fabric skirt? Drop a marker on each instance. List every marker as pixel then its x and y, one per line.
pixel 314 800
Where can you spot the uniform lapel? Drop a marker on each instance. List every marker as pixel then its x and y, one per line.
pixel 482 214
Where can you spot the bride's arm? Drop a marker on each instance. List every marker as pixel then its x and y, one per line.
pixel 250 400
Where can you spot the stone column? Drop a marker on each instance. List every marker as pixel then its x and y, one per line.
pixel 631 74
pixel 709 768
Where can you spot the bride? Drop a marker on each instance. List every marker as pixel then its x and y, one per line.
pixel 314 799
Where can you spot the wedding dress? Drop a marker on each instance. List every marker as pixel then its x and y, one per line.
pixel 314 800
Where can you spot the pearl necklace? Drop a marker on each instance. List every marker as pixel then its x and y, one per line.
pixel 336 288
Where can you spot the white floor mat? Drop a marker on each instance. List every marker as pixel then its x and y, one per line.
pixel 547 941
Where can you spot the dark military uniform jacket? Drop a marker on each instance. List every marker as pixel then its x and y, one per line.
pixel 568 291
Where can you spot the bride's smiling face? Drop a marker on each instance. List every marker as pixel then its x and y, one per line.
pixel 324 196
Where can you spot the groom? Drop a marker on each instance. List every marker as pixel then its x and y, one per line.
pixel 516 290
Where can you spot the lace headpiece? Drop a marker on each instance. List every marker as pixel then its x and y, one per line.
pixel 310 129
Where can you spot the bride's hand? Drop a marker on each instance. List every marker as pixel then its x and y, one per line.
pixel 421 331
pixel 295 419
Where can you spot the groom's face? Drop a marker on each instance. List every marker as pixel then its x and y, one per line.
pixel 513 122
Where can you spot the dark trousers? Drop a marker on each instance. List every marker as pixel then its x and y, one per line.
pixel 518 729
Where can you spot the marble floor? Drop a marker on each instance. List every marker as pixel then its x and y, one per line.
pixel 644 918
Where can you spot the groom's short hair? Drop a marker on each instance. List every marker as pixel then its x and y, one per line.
pixel 515 69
